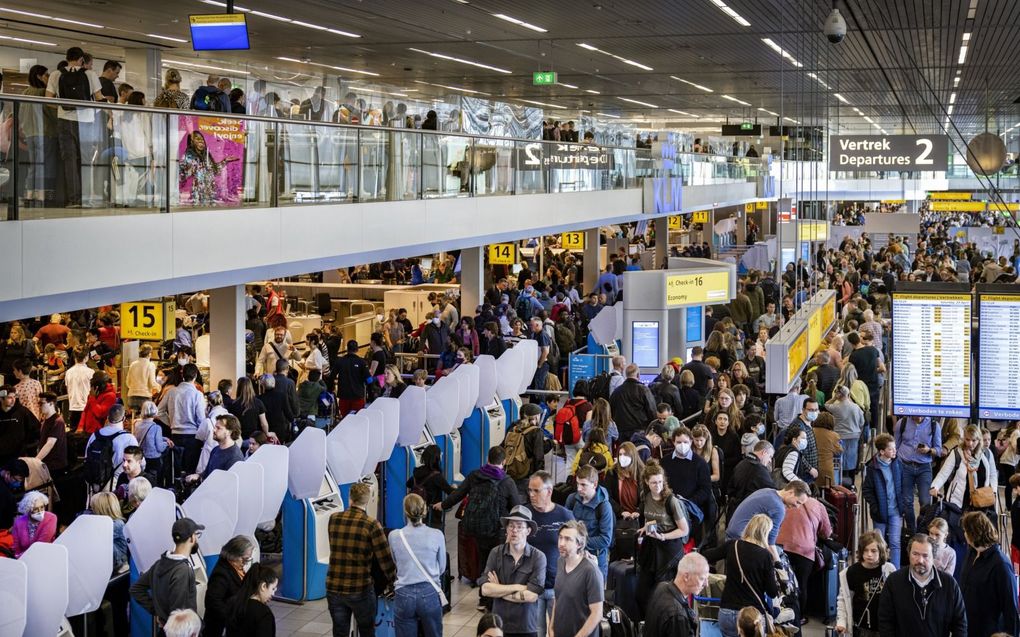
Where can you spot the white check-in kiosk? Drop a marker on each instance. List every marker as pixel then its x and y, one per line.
pixel 89 544
pixel 400 465
pixel 250 498
pixel 442 406
pixel 485 427
pixel 468 375
pixel 509 370
pixel 148 536
pixel 214 505
pixel 531 355
pixel 376 453
pixel 391 489
pixel 46 600
pixel 312 497
pixel 14 597
pixel 275 463
pixel 356 439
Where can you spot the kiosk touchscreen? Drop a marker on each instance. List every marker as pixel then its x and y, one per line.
pixel 312 496
pixel 47 587
pixel 89 543
pixel 14 597
pixel 485 427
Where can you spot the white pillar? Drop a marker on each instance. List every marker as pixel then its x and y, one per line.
pixel 472 280
pixel 592 266
pixel 143 70
pixel 226 331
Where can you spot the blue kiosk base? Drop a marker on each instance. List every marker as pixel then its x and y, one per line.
pixel 474 441
pixel 396 472
pixel 304 578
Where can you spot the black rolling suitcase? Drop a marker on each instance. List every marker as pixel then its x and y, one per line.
pixel 621 586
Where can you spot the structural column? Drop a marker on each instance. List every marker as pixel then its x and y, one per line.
pixel 143 70
pixel 226 333
pixel 472 280
pixel 592 264
pixel 661 242
pixel 742 217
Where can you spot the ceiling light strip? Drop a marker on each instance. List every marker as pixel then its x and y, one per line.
pixel 638 102
pixel 520 23
pixel 329 66
pixel 697 86
pixel 739 19
pixel 589 47
pixel 782 52
pixel 443 56
pixel 280 18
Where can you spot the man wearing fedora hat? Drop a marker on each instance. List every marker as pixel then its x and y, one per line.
pixel 514 576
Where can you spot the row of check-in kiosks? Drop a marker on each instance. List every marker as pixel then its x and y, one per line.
pixel 464 413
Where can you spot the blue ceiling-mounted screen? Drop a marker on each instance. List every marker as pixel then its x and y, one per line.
pixel 219 32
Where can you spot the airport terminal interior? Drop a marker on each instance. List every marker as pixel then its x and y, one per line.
pixel 473 318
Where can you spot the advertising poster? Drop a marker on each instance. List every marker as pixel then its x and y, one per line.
pixel 210 167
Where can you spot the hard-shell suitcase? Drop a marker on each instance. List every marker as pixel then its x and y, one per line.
pixel 467 555
pixel 844 501
pixel 621 586
pixel 823 587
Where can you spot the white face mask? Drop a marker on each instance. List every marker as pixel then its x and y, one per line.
pixel 182 361
pixel 624 461
pixel 683 448
pixel 38 517
pixel 761 430
pixel 802 444
pixel 435 321
pixel 48 409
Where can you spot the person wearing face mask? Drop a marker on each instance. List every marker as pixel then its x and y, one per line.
pixel 435 338
pixel 169 584
pixel 34 524
pixel 225 582
pixel 52 448
pixel 688 475
pixel 804 422
pixel 789 463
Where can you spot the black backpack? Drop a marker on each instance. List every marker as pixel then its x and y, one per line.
pixel 207 98
pixel 481 515
pixel 599 387
pixel 99 460
pixel 523 308
pixel 74 85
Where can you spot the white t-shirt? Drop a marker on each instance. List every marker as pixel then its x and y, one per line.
pixel 81 114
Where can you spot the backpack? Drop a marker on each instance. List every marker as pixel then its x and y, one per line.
pixel 567 427
pixel 518 466
pixel 418 488
pixel 74 85
pixel 523 308
pixel 591 458
pixel 207 99
pixel 599 387
pixel 99 460
pixel 481 515
pixel 694 513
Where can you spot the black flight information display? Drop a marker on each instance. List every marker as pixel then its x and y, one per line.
pixel 999 357
pixel 931 354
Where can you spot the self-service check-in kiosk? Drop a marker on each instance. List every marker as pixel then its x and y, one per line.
pixel 485 427
pixel 401 463
pixel 469 378
pixel 89 543
pixel 14 597
pixel 147 532
pixel 390 495
pixel 442 406
pixel 312 497
pixel 250 499
pixel 46 600
pixel 509 370
pixel 214 505
pixel 275 463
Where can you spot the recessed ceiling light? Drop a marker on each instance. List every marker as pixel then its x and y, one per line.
pixel 42 16
pixel 952 98
pixel 279 18
pixel 567 85
pixel 520 23
pixel 733 99
pixel 452 88
pixel 165 37
pixel 613 55
pixel 949 111
pixel 730 12
pixel 673 110
pixel 26 40
pixel 697 86
pixel 781 51
pixel 765 110
pixel 202 66
pixel 27 13
pixel 317 27
pixel 451 58
pixel 79 23
pixel 627 99
pixel 372 90
pixel 588 90
pixel 841 98
pixel 791 120
pixel 608 115
pixel 541 103
pixel 271 16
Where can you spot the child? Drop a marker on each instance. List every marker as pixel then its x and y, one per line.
pixel 308 395
pixel 860 586
pixel 945 556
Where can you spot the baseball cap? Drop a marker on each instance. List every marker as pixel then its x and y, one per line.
pixel 6 390
pixel 530 409
pixel 184 528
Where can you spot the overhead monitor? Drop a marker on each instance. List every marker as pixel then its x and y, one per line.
pixel 645 343
pixel 931 347
pixel 998 356
pixel 693 331
pixel 219 32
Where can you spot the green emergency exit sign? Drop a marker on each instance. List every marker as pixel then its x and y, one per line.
pixel 543 78
pixel 746 126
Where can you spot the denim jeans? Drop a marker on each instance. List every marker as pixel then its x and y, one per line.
pixel 417 604
pixel 893 531
pixel 914 475
pixel 545 605
pixel 362 606
pixel 728 622
pixel 850 446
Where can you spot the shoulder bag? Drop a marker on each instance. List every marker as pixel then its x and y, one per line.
pixel 980 497
pixel 771 630
pixel 442 596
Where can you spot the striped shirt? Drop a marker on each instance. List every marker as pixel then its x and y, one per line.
pixel 355 542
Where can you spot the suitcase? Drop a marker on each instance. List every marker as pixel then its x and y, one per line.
pixel 823 587
pixel 844 501
pixel 562 491
pixel 624 541
pixel 621 586
pixel 467 556
pixel 616 622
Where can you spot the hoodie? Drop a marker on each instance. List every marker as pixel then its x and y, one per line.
pixel 167 586
pixel 597 515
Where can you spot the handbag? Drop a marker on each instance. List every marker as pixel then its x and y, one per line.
pixel 442 596
pixel 980 497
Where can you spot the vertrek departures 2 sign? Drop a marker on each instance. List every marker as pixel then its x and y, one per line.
pixel 888 152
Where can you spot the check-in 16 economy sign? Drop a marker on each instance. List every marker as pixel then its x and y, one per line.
pixel 888 152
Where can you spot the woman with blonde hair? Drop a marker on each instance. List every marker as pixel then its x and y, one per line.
pixel 172 96
pixel 750 573
pixel 393 383
pixel 419 552
pixel 967 474
pixel 106 503
pixel 701 443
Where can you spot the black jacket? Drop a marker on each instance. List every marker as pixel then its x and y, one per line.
pixel 509 497
pixel 351 374
pixel 224 583
pixel 668 614
pixel 633 407
pixel 168 586
pixel 289 388
pixel 899 612
pixel 664 392
pixel 986 583
pixel 749 476
pixel 691 479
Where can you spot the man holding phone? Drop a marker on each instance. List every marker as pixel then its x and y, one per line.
pixel 918 443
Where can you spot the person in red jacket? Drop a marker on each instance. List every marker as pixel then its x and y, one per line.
pixel 101 398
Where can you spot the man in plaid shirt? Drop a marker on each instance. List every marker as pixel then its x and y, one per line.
pixel 355 542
